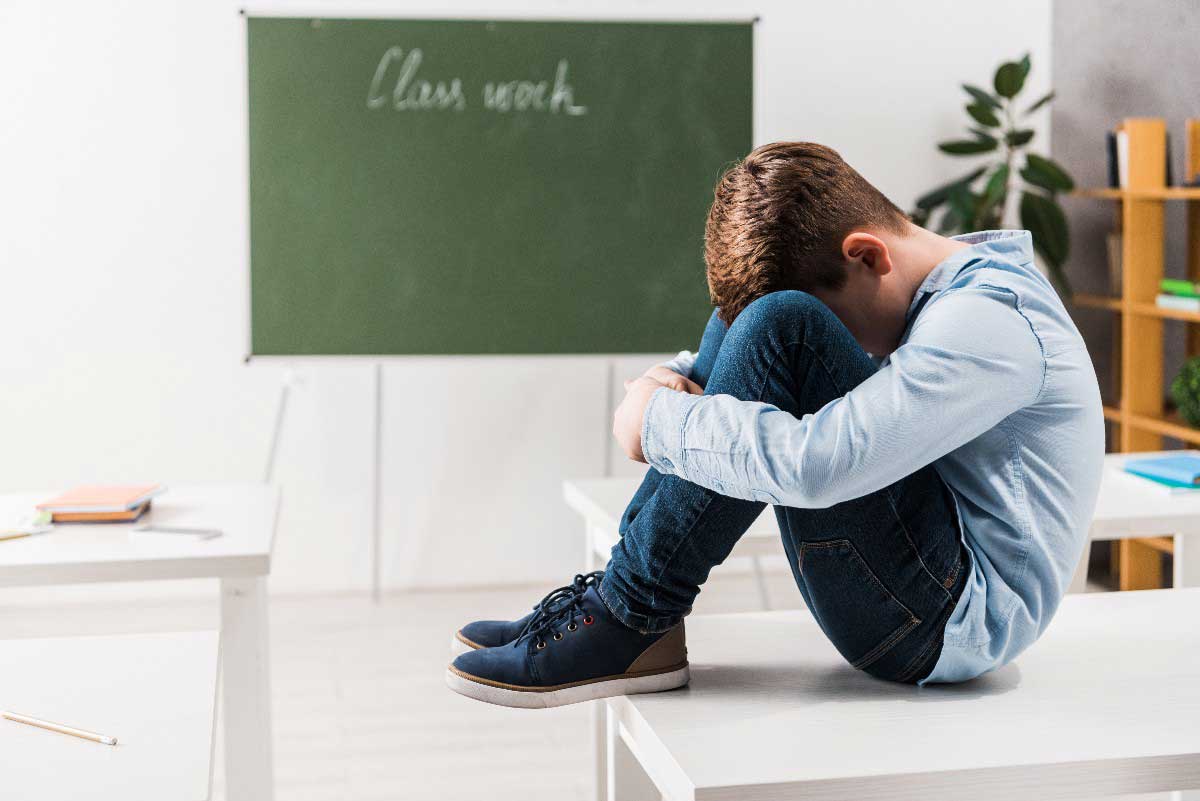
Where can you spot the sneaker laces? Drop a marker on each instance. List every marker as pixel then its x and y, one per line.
pixel 562 604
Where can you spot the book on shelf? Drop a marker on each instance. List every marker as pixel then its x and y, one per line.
pixel 1178 303
pixel 1117 146
pixel 1180 288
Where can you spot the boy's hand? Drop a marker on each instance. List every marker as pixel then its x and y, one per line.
pixel 627 420
pixel 669 378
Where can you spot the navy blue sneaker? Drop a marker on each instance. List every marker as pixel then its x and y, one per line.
pixel 573 651
pixel 491 633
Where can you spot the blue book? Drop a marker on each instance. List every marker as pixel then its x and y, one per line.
pixel 1173 471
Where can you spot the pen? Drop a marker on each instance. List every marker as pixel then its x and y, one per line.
pixel 205 533
pixel 61 729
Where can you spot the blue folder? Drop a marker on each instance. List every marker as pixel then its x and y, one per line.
pixel 1174 471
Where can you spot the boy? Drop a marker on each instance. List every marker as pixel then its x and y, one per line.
pixel 933 497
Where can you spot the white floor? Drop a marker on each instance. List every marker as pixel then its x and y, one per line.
pixel 361 711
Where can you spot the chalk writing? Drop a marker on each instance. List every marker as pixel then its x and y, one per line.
pixel 397 84
pixel 409 91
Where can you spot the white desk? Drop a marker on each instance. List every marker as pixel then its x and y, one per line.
pixel 156 693
pixel 241 559
pixel 1133 507
pixel 1107 702
pixel 602 501
pixel 1127 507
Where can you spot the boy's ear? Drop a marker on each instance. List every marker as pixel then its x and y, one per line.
pixel 868 250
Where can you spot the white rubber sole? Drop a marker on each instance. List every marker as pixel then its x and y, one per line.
pixel 458 647
pixel 528 699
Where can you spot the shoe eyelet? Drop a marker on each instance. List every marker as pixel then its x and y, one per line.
pixel 572 626
pixel 589 620
pixel 541 644
pixel 558 635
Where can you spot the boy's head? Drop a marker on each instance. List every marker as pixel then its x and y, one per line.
pixel 783 219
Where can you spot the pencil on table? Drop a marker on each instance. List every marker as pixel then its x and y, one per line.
pixel 61 729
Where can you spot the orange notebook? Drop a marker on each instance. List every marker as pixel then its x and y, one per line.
pixel 127 516
pixel 102 499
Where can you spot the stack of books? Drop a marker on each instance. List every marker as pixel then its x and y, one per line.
pixel 1176 473
pixel 95 504
pixel 1117 144
pixel 1179 295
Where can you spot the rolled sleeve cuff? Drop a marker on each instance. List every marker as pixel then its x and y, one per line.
pixel 663 429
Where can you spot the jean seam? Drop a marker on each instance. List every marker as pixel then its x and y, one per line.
pixel 918 661
pixel 884 647
pixel 911 544
pixel 679 544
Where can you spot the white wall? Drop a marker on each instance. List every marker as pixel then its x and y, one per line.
pixel 123 251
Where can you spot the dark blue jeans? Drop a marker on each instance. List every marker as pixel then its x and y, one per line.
pixel 881 573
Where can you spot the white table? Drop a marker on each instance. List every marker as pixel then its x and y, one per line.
pixel 773 712
pixel 602 501
pixel 156 693
pixel 1129 506
pixel 241 559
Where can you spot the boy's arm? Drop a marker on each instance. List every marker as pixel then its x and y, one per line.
pixel 972 361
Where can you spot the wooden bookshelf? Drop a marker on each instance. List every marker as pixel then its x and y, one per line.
pixel 1140 419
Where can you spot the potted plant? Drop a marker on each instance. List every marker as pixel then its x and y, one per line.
pixel 979 199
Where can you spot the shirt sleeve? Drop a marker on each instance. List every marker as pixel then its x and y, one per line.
pixel 971 360
pixel 682 363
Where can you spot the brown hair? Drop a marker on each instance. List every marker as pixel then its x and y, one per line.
pixel 778 220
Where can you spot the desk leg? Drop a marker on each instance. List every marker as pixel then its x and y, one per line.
pixel 626 778
pixel 597 712
pixel 1187 561
pixel 246 690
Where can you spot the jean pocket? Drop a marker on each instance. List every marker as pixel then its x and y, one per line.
pixel 859 615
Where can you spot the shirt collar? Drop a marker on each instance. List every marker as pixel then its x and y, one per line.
pixel 1013 246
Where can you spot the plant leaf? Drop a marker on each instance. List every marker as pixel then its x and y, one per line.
pixel 1024 64
pixel 950 223
pixel 984 136
pixel 1019 137
pixel 982 97
pixel 1043 100
pixel 967 147
pixel 1009 79
pixel 983 115
pixel 993 195
pixel 963 203
pixel 1047 174
pixel 937 197
pixel 996 186
pixel 1045 220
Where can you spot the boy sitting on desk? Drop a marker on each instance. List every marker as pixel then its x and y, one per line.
pixel 920 411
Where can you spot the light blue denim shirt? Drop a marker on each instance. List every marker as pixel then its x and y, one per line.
pixel 993 385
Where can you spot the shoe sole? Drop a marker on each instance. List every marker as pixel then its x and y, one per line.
pixel 534 699
pixel 458 647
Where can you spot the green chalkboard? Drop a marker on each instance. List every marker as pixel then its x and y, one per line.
pixel 472 187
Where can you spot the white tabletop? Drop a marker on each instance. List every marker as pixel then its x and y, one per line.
pixel 1133 506
pixel 771 704
pixel 603 500
pixel 76 553
pixel 155 693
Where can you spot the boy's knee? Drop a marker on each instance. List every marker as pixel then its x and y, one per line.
pixel 786 311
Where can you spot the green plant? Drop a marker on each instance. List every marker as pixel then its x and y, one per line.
pixel 1185 390
pixel 979 199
